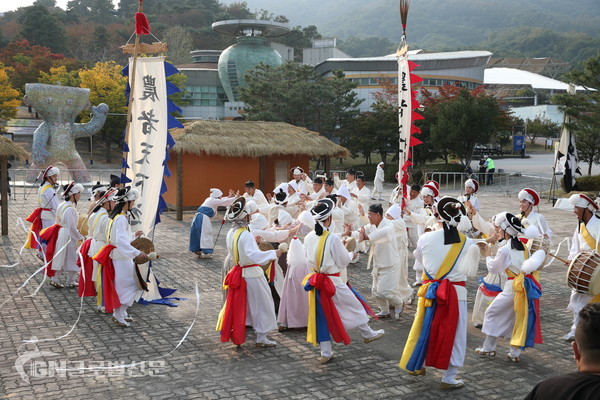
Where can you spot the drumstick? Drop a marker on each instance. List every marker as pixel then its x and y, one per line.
pixel 559 259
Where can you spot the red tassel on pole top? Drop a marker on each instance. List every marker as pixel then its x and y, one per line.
pixel 142 26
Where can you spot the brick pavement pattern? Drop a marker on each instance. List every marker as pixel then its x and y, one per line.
pixel 204 368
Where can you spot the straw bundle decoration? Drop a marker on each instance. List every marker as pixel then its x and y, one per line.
pixel 252 139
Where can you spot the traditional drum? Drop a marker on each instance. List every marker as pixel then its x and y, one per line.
pixel 265 246
pixel 147 246
pixel 583 275
pixel 540 243
pixel 82 224
pixel 350 244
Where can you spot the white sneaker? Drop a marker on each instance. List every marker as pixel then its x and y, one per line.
pixel 378 335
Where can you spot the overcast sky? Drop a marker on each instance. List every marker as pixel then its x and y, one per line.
pixel 8 5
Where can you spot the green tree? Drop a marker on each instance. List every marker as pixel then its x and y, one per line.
pixel 583 108
pixel 43 28
pixel 458 119
pixel 540 127
pixel 107 85
pixel 297 94
pixel 300 38
pixel 9 97
pixel 181 43
pixel 60 76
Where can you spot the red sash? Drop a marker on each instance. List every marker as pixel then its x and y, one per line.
pixel 50 235
pixel 86 286
pixel 36 227
pixel 326 288
pixel 109 293
pixel 443 326
pixel 234 316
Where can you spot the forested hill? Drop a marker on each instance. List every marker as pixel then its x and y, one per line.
pixel 457 24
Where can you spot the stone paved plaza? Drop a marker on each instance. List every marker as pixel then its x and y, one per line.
pixel 204 368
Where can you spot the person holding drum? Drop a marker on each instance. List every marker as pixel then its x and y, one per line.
pixel 62 238
pixel 514 313
pixel 340 308
pixel 438 336
pixel 528 198
pixel 249 301
pixel 585 238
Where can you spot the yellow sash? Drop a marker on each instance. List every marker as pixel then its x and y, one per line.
pixel 311 329
pixel 521 305
pixel 423 303
pixel 42 191
pixel 587 236
pixel 236 259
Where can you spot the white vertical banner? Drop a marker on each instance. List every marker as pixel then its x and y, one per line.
pixel 404 113
pixel 147 138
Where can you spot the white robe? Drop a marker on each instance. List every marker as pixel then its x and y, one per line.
pixel 538 220
pixel 260 310
pixel 483 301
pixel 66 259
pixel 405 290
pixel 206 236
pixel 499 318
pixel 430 253
pixel 335 259
pixel 472 199
pixel 350 185
pixel 413 205
pixel 378 182
pixel 385 261
pixel 350 210
pixel 98 232
pixel 47 198
pixel 261 201
pixel 122 255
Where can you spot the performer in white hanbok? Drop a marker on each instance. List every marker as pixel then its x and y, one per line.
pixel 294 203
pixel 348 207
pixel 201 233
pixel 425 219
pixel 413 204
pixel 471 188
pixel 303 184
pixel 117 259
pixel 257 196
pixel 327 256
pixel 384 258
pixel 438 337
pixel 362 196
pixel 98 232
pixel 249 301
pixel 528 198
pixel 514 313
pixel 279 216
pixel 350 180
pixel 394 214
pixel 491 285
pixel 329 186
pixel 44 215
pixel 61 252
pixel 585 238
pixel 293 307
pixel 378 182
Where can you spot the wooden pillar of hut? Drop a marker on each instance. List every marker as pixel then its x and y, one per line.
pixel 179 199
pixel 327 166
pixel 4 195
pixel 261 173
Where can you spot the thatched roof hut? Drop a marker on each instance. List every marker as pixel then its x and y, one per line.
pixel 252 139
pixel 9 149
pixel 225 154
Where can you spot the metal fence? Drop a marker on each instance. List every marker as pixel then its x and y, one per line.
pixel 505 182
pixel 23 181
pixel 341 173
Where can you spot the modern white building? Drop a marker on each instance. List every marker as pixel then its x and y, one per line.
pixel 465 68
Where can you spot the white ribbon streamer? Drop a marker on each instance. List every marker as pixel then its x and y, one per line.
pixel 145 361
